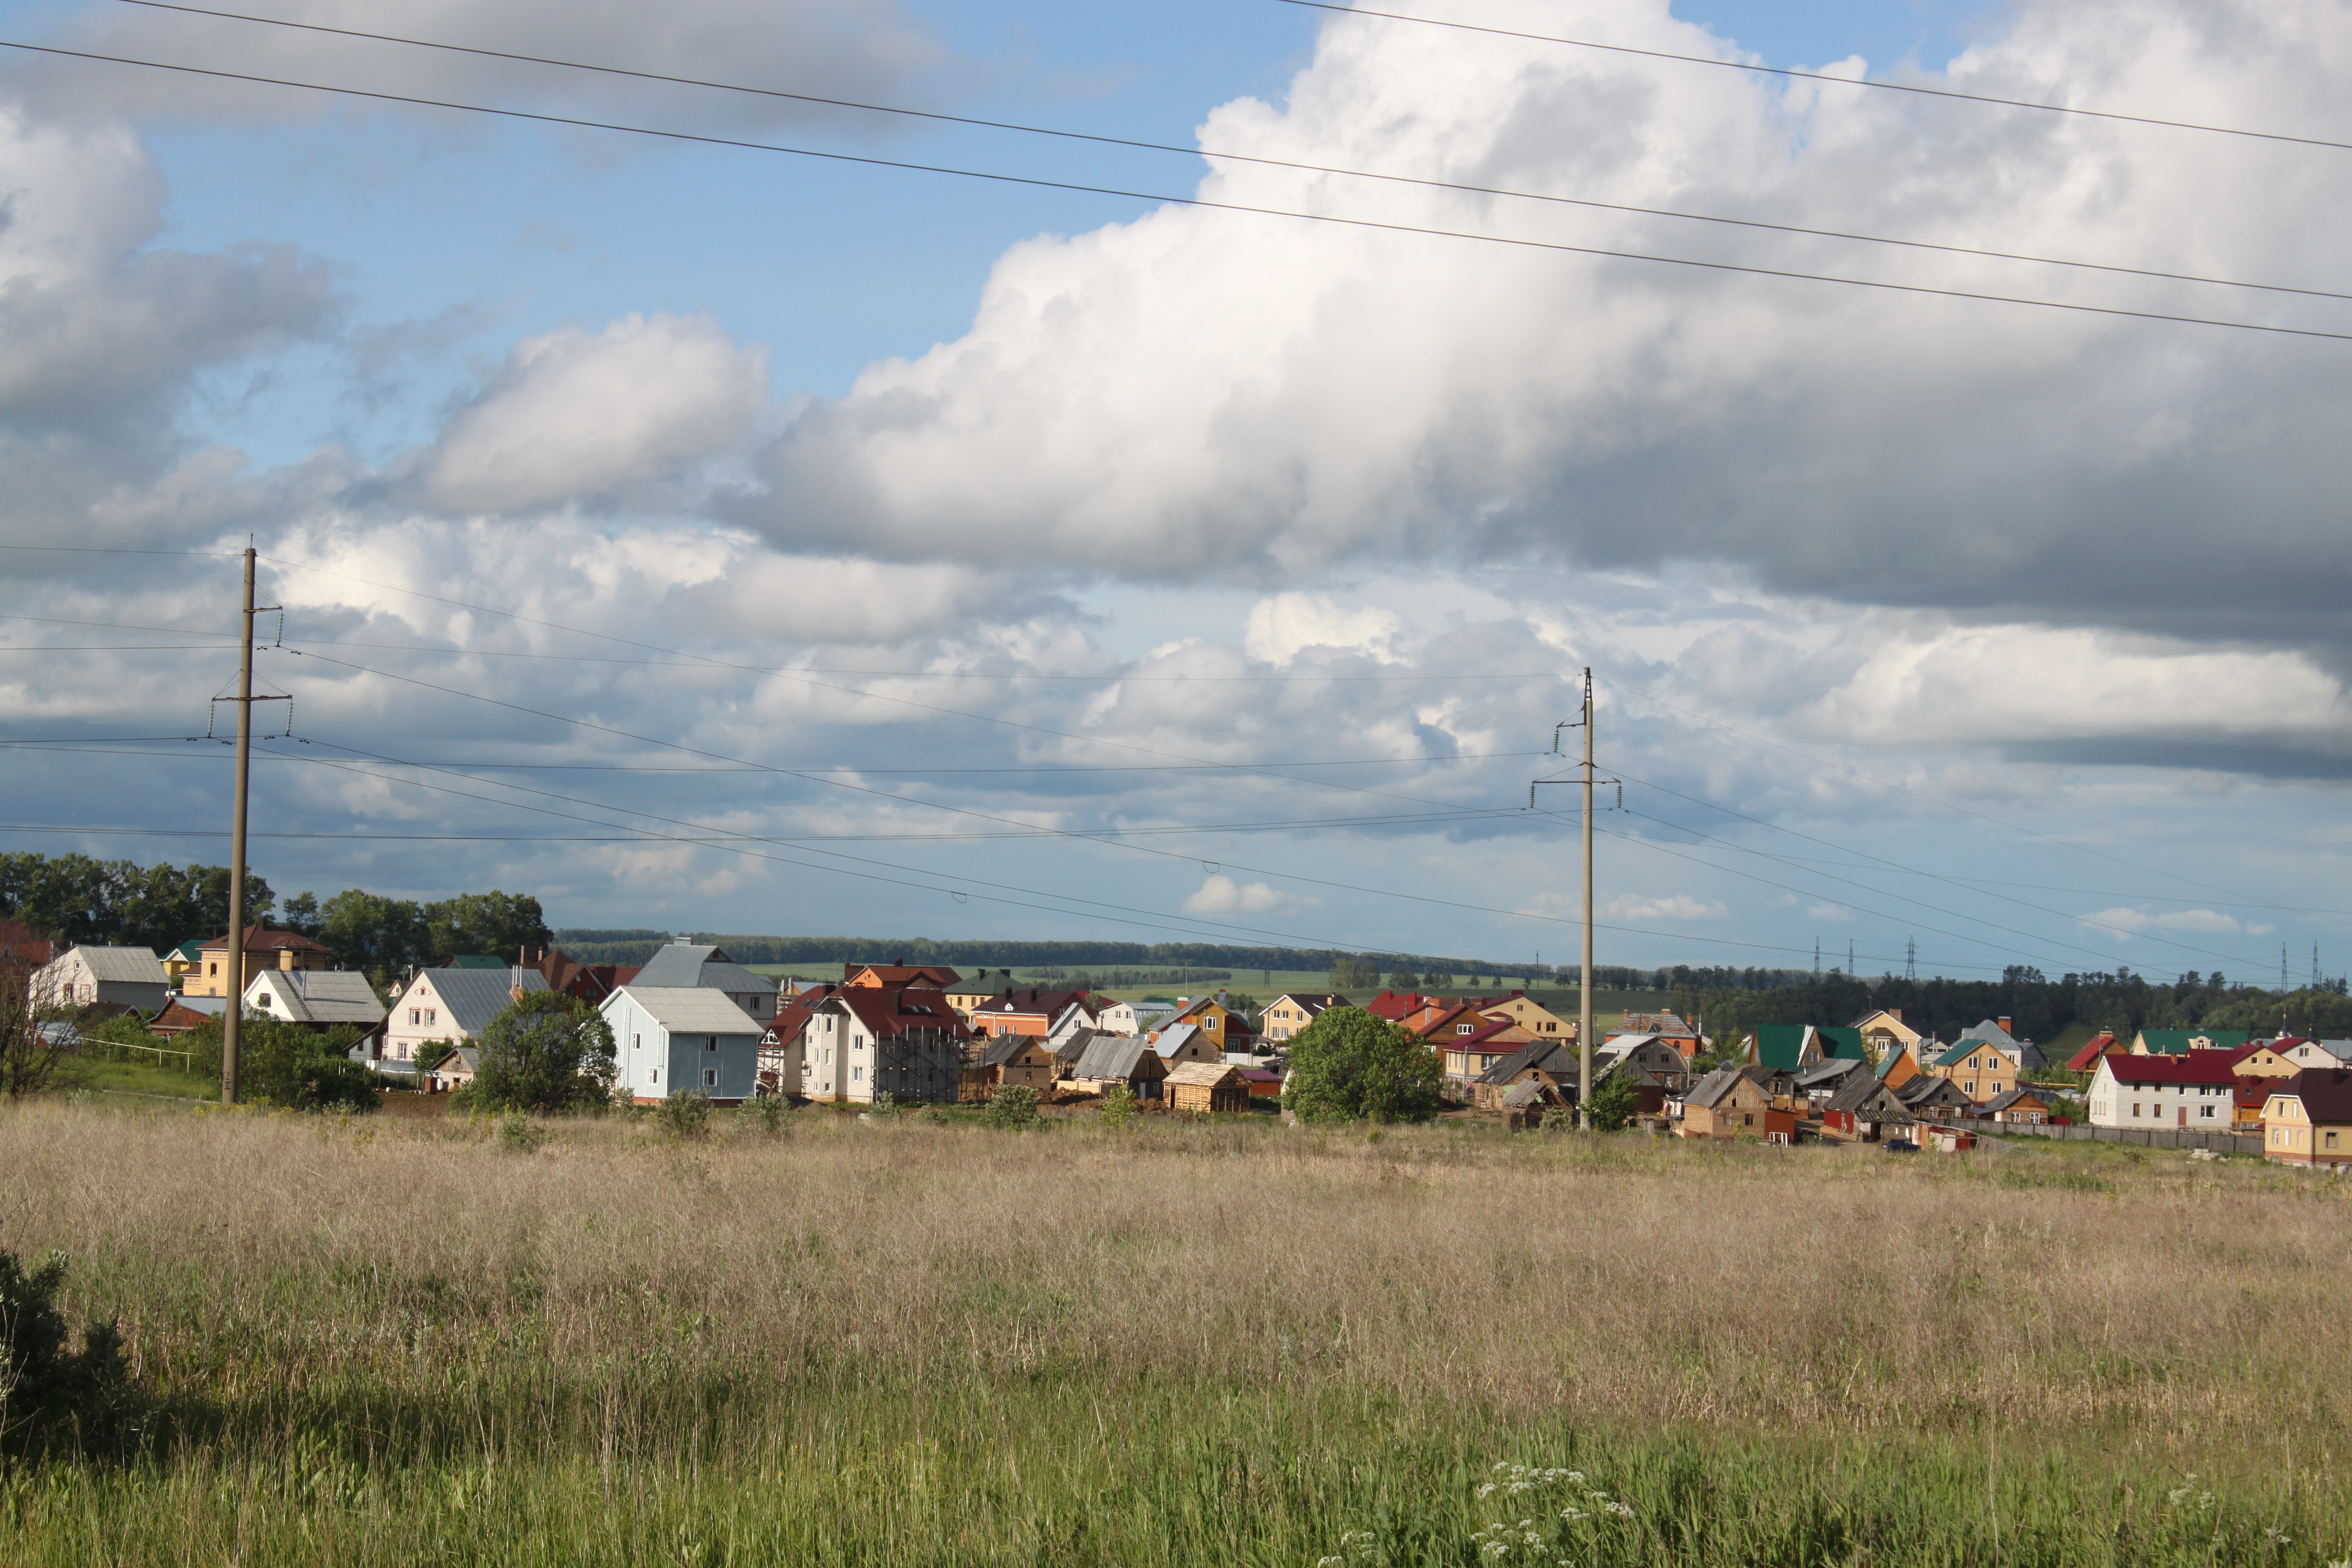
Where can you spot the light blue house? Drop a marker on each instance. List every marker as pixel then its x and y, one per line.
pixel 690 1038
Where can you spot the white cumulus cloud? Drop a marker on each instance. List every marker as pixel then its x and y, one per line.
pixel 2125 919
pixel 1283 626
pixel 1221 895
pixel 1642 909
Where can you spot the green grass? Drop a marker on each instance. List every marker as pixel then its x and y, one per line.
pixel 132 1075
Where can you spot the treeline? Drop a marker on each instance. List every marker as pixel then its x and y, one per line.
pixel 118 903
pixel 2039 1008
pixel 605 945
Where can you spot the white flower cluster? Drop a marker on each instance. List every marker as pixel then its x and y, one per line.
pixel 1500 1541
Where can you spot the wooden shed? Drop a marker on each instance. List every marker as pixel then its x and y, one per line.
pixel 1207 1087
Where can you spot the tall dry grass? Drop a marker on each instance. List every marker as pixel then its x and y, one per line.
pixel 955 1344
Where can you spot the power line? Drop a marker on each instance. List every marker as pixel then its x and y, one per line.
pixel 1216 152
pixel 1822 76
pixel 1206 204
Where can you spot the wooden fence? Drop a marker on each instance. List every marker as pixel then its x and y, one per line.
pixel 2153 1138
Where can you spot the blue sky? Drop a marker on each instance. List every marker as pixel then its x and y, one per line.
pixel 780 411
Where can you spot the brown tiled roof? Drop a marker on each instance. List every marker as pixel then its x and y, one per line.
pixel 894 1012
pixel 2325 1092
pixel 267 939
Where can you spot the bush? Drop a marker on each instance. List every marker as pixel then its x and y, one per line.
pixel 518 1135
pixel 1613 1102
pixel 285 1064
pixel 770 1111
pixel 685 1115
pixel 50 1394
pixel 1117 1105
pixel 549 1052
pixel 1013 1105
pixel 1348 1065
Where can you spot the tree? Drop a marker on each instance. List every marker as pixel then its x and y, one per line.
pixel 549 1051
pixel 1404 980
pixel 1013 1106
pixel 370 933
pixel 32 1058
pixel 1612 1104
pixel 286 1064
pixel 49 1392
pixel 1348 1065
pixel 501 923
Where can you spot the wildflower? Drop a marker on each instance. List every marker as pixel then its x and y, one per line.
pixel 1622 1510
pixel 1331 1563
pixel 2276 1537
pixel 1487 1491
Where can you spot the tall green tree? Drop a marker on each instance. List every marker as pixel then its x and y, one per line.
pixel 1348 1066
pixel 549 1051
pixel 119 903
pixel 493 923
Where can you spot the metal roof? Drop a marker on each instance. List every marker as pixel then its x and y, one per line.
pixel 691 1009
pixel 681 965
pixel 320 996
pixel 472 997
pixel 121 965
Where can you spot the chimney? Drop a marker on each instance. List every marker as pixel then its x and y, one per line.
pixel 2004 1025
pixel 1896 1014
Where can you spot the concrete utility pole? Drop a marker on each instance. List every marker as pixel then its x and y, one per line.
pixel 1585 999
pixel 235 1004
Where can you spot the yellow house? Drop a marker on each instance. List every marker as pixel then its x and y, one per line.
pixel 265 948
pixel 2307 1121
pixel 1292 1011
pixel 2265 1060
pixel 1539 1021
pixel 1885 1030
pixel 1980 1071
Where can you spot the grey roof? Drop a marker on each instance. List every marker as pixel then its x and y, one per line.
pixel 1929 1090
pixel 2340 1049
pixel 2007 1098
pixel 1868 1098
pixel 1713 1087
pixel 691 1009
pixel 1550 1055
pixel 320 996
pixel 1174 1038
pixel 469 1057
pixel 1114 1056
pixel 1074 1046
pixel 212 1007
pixel 682 966
pixel 2025 1053
pixel 123 965
pixel 1005 1048
pixel 1834 1070
pixel 472 997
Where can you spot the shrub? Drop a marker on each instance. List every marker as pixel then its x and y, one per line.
pixel 50 1392
pixel 770 1111
pixel 517 1134
pixel 1117 1105
pixel 1013 1105
pixel 1613 1102
pixel 548 1052
pixel 285 1064
pixel 1348 1065
pixel 685 1115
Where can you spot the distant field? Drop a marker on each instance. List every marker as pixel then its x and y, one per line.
pixel 384 1343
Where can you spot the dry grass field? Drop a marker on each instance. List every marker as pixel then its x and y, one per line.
pixel 381 1341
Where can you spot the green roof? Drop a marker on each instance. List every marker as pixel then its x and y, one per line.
pixel 1960 1048
pixel 477 961
pixel 2177 1042
pixel 1780 1046
pixel 1838 1041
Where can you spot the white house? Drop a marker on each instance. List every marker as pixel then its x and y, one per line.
pixel 1073 1017
pixel 322 997
pixel 2187 1093
pixel 445 1007
pixel 2325 1054
pixel 129 976
pixel 1119 1018
pixel 862 1041
pixel 688 1039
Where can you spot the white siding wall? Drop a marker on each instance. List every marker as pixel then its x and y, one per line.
pixel 419 1019
pixel 2210 1105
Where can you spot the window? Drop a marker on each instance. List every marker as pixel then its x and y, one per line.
pixel 415 1016
pixel 710 1078
pixel 656 1075
pixel 857 1074
pixel 2331 1139
pixel 215 968
pixel 636 1042
pixel 711 1044
pixel 2134 1107
pixel 2206 1110
pixel 432 1015
pixel 1465 1029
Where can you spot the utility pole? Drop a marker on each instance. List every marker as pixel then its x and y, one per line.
pixel 233 1004
pixel 1585 997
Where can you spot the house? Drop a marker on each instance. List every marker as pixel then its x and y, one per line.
pixel 1068 1053
pixel 1119 1018
pixel 1396 1008
pixel 1932 1097
pixel 475 961
pixel 1264 1083
pixel 457 1067
pixel 2247 1099
pixel 2180 1042
pixel 683 966
pixel 2017 1105
pixel 1229 1030
pixel 266 947
pixel 1533 1017
pixel 449 1007
pixel 1868 1111
pixel 1022 1059
pixel 592 983
pixel 1294 1010
pixel 1792 1048
pixel 1898 1067
pixel 1118 1058
pixel 317 999
pixel 1980 1070
pixel 1729 1102
pixel 967 994
pixel 2268 1058
pixel 900 976
pixel 1031 1011
pixel 124 977
pixel 2186 1092
pixel 1184 1043
pixel 2024 1054
pixel 181 1014
pixel 1883 1031
pixel 180 960
pixel 2320 1054
pixel 1079 1014
pixel 680 1039
pixel 1476 1044
pixel 1656 1059
pixel 1666 1026
pixel 1207 1087
pixel 21 944
pixel 2308 1119
pixel 1549 1064
pixel 2087 1059
pixel 858 1041
pixel 1524 1106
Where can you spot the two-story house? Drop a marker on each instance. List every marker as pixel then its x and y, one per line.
pixel 439 1008
pixel 2191 1092
pixel 684 965
pixel 682 1040
pixel 1292 1011
pixel 2308 1119
pixel 124 977
pixel 860 1041
pixel 266 947
pixel 1980 1071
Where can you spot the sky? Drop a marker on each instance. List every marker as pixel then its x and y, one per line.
pixel 710 537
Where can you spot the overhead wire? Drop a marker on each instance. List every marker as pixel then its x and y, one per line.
pixel 1213 154
pixel 1912 88
pixel 1203 203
